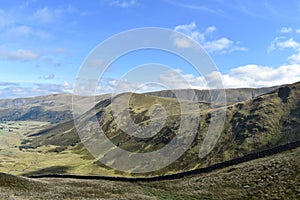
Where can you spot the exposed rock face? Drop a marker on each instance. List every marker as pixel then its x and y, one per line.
pixel 232 95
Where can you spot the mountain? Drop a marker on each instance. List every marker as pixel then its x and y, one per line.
pixel 53 108
pixel 253 125
pixel 57 108
pixel 232 95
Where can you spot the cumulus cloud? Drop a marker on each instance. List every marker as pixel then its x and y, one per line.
pixel 248 76
pixel 245 76
pixel 282 43
pixel 18 55
pixel 221 45
pixel 263 76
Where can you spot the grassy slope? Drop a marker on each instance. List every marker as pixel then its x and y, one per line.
pixel 273 177
pixel 252 125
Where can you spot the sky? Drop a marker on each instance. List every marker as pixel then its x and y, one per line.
pixel 254 43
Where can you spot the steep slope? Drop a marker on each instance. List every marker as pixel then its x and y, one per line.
pixel 253 125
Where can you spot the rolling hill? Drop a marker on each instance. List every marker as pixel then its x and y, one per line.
pixel 55 108
pixel 253 125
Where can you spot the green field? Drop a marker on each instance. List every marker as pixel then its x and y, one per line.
pixel 42 159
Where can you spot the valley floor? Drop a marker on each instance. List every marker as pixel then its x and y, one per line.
pixel 273 177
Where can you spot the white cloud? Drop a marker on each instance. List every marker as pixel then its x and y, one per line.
pixel 190 5
pixel 35 89
pixel 25 31
pixel 210 29
pixel 262 76
pixel 283 43
pixel 44 15
pixel 19 55
pixel 244 76
pixel 47 15
pixel 218 45
pixel 182 42
pixel 248 76
pixel 123 3
pixel 186 27
pixel 295 58
pixel 286 30
pixel 190 30
pixel 298 31
pixel 290 43
pixel 222 45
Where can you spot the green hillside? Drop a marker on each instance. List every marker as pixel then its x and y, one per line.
pixel 273 177
pixel 253 125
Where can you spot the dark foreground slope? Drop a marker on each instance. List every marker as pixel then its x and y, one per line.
pixel 273 177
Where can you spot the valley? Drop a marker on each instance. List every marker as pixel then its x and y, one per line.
pixel 41 146
pixel 57 148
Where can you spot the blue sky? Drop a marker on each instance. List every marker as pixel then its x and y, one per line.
pixel 254 43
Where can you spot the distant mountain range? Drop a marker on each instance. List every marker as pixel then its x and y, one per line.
pixel 57 108
pixel 54 108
